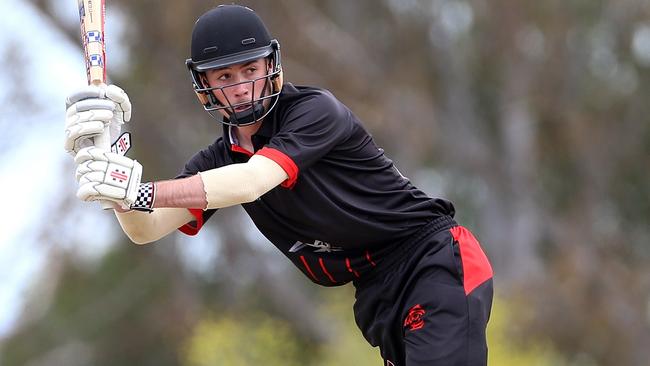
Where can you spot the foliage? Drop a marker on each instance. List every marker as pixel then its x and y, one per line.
pixel 241 340
pixel 505 349
pixel 261 338
pixel 122 312
pixel 347 347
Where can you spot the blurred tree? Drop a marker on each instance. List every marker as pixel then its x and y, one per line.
pixel 129 310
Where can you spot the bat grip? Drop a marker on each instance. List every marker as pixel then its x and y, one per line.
pixel 103 141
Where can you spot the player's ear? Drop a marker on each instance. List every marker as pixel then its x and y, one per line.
pixel 276 81
pixel 204 80
pixel 202 96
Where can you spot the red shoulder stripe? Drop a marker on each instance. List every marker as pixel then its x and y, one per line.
pixel 285 162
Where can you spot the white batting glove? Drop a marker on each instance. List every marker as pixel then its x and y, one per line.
pixel 90 109
pixel 104 175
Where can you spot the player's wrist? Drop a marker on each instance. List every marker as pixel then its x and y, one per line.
pixel 145 198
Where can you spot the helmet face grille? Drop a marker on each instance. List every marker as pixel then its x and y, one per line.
pixel 229 35
pixel 256 111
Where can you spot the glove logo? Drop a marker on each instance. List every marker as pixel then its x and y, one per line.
pixel 414 319
pixel 119 176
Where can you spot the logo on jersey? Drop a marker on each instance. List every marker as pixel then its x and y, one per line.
pixel 414 319
pixel 319 246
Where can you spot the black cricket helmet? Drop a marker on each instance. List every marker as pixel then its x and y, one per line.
pixel 229 35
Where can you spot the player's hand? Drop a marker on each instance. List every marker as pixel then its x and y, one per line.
pixel 89 110
pixel 104 175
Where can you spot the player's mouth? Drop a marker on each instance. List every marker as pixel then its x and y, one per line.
pixel 242 107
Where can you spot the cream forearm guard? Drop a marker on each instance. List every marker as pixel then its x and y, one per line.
pixel 240 183
pixel 144 228
pixel 226 186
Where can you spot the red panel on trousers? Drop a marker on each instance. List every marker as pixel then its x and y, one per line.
pixel 476 266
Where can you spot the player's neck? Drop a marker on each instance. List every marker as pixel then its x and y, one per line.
pixel 249 130
pixel 244 134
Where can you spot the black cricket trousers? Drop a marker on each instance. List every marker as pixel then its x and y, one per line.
pixel 429 302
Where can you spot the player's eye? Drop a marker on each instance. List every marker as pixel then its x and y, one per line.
pixel 223 77
pixel 251 70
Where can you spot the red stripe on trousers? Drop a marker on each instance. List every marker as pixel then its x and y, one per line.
pixel 369 259
pixel 322 265
pixel 347 263
pixel 476 266
pixel 304 262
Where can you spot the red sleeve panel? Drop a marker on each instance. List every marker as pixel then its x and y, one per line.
pixel 285 162
pixel 192 228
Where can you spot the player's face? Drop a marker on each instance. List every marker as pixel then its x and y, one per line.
pixel 238 83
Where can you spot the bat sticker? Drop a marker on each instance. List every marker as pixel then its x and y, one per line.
pixel 96 60
pixel 94 36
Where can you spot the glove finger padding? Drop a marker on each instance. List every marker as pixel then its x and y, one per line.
pixel 81 127
pixel 86 119
pixel 93 191
pixel 90 153
pixel 90 106
pixel 96 154
pixel 106 175
pixel 121 99
pixel 105 92
pixel 89 167
pixel 86 92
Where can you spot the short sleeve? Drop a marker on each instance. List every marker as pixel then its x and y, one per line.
pixel 203 160
pixel 310 130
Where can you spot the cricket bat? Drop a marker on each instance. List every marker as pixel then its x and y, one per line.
pixel 91 18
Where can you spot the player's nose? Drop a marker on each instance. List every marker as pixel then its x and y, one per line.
pixel 241 89
pixel 241 85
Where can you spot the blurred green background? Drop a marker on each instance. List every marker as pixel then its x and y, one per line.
pixel 531 116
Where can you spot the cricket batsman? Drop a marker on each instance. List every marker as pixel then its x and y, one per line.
pixel 314 182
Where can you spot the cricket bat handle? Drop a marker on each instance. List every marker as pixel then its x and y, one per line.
pixel 92 19
pixel 103 141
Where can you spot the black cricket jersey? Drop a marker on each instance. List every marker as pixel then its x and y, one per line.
pixel 344 206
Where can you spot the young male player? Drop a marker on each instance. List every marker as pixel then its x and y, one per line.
pixel 315 184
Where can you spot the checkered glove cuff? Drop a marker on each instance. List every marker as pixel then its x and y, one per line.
pixel 146 196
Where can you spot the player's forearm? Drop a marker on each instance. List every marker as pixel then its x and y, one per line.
pixel 142 227
pixel 216 188
pixel 180 193
pixel 222 187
